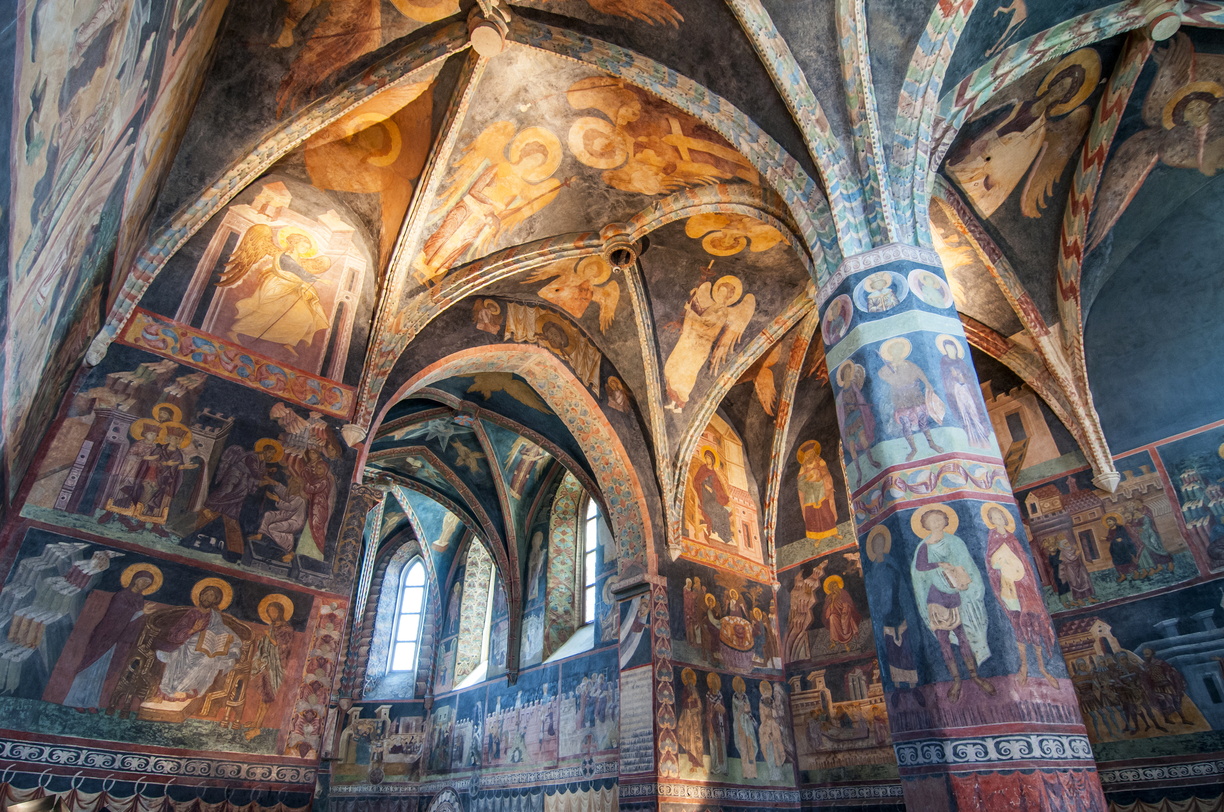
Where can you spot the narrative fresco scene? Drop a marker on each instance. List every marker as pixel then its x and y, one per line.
pixel 598 405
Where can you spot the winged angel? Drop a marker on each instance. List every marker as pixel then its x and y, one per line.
pixel 575 285
pixel 1036 137
pixel 715 317
pixel 1182 113
pixel 500 180
pixel 284 307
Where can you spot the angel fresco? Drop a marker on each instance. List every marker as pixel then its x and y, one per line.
pixel 643 147
pixel 284 308
pixel 724 235
pixel 1182 115
pixel 1037 137
pixel 575 286
pixel 715 317
pixel 501 179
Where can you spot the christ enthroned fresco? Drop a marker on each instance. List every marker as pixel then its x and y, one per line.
pixel 720 505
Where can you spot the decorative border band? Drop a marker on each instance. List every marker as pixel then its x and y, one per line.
pixel 1162 772
pixel 195 348
pixel 994 750
pixel 703 792
pixel 874 258
pixel 537 779
pixel 66 755
pixel 851 793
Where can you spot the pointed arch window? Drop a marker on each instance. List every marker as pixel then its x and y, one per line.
pixel 406 642
pixel 590 544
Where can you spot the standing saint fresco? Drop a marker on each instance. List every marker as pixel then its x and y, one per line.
pixel 745 728
pixel 950 593
pixel 773 745
pixel 1123 551
pixel 271 656
pixel 916 406
pixel 1015 585
pixel 854 414
pixel 962 390
pixel 691 717
pixel 113 637
pixel 816 492
pixel 1073 572
pixel 1152 552
pixel 715 312
pixel 713 499
pixel 716 724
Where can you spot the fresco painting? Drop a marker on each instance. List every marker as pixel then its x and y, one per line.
pixel 826 610
pixel 153 454
pixel 149 650
pixel 723 620
pixel 721 514
pixel 1196 467
pixel 1095 547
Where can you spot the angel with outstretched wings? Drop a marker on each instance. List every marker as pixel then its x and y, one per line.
pixel 574 286
pixel 1182 113
pixel 284 307
pixel 500 180
pixel 1036 137
pixel 715 318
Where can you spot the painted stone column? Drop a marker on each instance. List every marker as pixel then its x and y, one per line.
pixel 982 712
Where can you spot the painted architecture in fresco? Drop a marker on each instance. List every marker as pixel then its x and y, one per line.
pixel 611 404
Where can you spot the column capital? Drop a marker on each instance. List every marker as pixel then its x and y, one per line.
pixel 883 255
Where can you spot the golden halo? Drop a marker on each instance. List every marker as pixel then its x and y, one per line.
pixel 724 243
pixel 766 688
pixel 845 370
pixel 738 684
pixel 1117 517
pixel 831 581
pixel 491 305
pixel 604 148
pixel 879 543
pixel 552 149
pixel 268 442
pixel 942 343
pixel 898 347
pixel 1087 60
pixel 710 601
pixel 164 433
pixel 757 614
pixel 1168 115
pixel 806 450
pixel 138 428
pixel 152 571
pixel 688 677
pixel 733 594
pixel 1009 524
pixel 227 592
pixel 176 412
pixel 736 286
pixel 282 601
pixel 285 232
pixel 1220 450
pixel 585 266
pixel 949 514
pixel 713 681
pixel 701 452
pixel 368 121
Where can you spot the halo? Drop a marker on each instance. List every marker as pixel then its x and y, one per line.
pixel 282 601
pixel 724 242
pixel 710 601
pixel 1168 116
pixel 922 532
pixel 174 410
pixel 227 592
pixel 955 351
pixel 806 450
pixel 582 269
pixel 831 581
pixel 701 452
pixel 846 369
pixel 879 543
pixel 164 433
pixel 733 594
pixel 1009 524
pixel 713 681
pixel 766 688
pixel 1220 450
pixel 733 281
pixel 900 347
pixel 285 232
pixel 757 614
pixel 738 684
pixel 1087 60
pixel 152 571
pixel 368 121
pixel 138 428
pixel 878 276
pixel 552 148
pixel 688 677
pixel 608 151
pixel 268 442
pixel 491 305
pixel 1117 517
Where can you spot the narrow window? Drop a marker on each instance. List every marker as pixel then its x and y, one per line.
pixel 590 538
pixel 407 639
